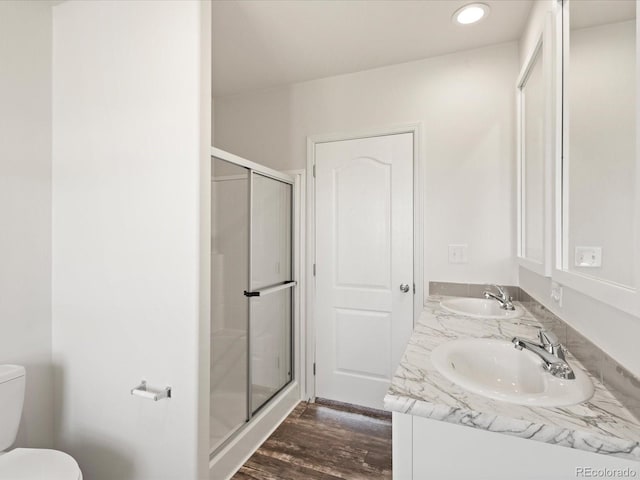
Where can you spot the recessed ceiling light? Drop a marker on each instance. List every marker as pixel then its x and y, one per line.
pixel 472 13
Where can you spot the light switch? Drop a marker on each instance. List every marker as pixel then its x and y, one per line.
pixel 458 253
pixel 588 256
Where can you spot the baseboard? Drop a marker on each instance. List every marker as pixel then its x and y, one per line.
pixel 350 408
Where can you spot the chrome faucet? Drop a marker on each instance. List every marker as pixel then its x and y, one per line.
pixel 502 297
pixel 550 351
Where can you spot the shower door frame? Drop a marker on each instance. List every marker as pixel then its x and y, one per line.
pixel 296 262
pixel 249 293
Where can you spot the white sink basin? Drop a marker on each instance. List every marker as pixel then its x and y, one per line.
pixel 479 308
pixel 495 369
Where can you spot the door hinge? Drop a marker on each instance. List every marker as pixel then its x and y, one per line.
pixel 314 170
pixel 314 269
pixel 314 368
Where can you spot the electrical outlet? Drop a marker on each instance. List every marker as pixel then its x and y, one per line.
pixel 588 257
pixel 556 293
pixel 459 253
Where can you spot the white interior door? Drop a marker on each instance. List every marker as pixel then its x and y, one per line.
pixel 364 265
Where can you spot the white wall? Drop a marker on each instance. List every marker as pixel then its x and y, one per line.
pixel 25 208
pixel 131 126
pixel 465 102
pixel 612 330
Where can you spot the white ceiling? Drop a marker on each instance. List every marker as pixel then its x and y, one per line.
pixel 259 44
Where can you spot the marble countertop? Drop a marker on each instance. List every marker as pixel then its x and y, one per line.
pixel 601 425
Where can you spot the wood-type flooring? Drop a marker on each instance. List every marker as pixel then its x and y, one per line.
pixel 325 441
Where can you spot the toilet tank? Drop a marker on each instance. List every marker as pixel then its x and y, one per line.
pixel 12 381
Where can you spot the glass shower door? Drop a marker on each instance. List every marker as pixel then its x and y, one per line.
pixel 229 307
pixel 271 274
pixel 251 292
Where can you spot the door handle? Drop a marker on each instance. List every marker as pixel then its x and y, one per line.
pixel 275 288
pixel 404 288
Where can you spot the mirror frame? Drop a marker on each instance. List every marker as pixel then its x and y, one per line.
pixel 622 297
pixel 543 47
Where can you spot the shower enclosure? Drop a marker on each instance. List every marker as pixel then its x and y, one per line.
pixel 252 292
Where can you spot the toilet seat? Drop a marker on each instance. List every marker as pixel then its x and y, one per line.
pixel 38 464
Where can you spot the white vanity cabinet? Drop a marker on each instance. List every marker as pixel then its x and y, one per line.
pixel 425 449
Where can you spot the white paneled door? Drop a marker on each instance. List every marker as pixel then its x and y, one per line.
pixel 364 265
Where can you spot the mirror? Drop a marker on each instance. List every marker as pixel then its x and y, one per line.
pixel 599 141
pixel 532 105
pixel 533 160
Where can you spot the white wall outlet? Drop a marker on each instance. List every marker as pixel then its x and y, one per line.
pixel 588 256
pixel 458 253
pixel 556 293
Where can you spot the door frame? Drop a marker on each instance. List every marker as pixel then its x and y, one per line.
pixel 308 387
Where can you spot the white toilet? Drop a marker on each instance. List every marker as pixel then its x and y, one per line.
pixel 26 463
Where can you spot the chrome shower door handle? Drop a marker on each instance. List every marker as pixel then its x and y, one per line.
pixel 404 288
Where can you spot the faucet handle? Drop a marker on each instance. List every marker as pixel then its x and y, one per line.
pixel 501 290
pixel 548 339
pixel 551 344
